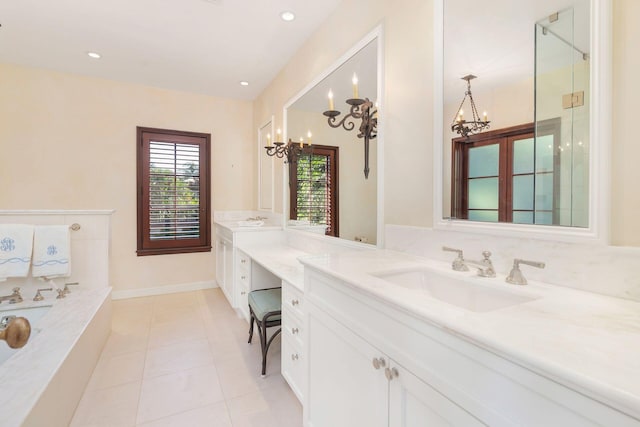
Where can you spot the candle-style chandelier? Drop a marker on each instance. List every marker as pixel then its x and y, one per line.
pixel 291 150
pixel 469 127
pixel 361 109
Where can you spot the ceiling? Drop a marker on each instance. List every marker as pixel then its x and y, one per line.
pixel 200 46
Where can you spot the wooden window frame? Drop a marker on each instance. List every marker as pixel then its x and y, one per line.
pixel 333 153
pixel 505 138
pixel 146 246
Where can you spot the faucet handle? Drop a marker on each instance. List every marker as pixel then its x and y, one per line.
pixel 66 289
pixel 61 293
pixel 458 263
pixel 39 296
pixel 516 277
pixel 16 291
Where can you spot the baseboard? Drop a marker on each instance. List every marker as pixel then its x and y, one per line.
pixel 160 290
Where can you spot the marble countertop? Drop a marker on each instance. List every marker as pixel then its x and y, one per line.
pixel 589 342
pixel 233 226
pixel 280 259
pixel 26 374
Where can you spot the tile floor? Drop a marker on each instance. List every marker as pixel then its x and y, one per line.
pixel 183 360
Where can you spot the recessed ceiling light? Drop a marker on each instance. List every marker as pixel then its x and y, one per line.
pixel 94 55
pixel 287 16
pixel 244 83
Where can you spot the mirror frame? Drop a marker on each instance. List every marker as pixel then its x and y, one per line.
pixel 377 35
pixel 599 148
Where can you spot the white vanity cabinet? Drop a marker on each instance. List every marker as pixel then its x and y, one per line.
pixel 224 263
pixel 371 363
pixel 243 282
pixel 294 366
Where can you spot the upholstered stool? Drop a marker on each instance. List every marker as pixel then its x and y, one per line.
pixel 265 306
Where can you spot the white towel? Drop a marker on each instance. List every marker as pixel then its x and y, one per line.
pixel 51 251
pixel 16 244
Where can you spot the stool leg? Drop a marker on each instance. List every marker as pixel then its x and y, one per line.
pixel 263 342
pixel 251 327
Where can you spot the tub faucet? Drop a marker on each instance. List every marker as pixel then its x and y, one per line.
pixel 516 277
pixel 485 267
pixel 13 298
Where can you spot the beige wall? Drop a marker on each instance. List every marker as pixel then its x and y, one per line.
pixel 68 142
pixel 408 113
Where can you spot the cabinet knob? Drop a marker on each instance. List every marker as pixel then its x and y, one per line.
pixel 294 331
pixel 391 373
pixel 295 302
pixel 243 293
pixel 294 357
pixel 379 362
pixel 243 261
pixel 243 277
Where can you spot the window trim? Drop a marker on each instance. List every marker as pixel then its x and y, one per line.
pixel 332 152
pixel 144 244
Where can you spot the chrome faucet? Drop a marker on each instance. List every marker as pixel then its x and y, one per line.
pixel 516 277
pixel 13 298
pixel 485 267
pixel 458 264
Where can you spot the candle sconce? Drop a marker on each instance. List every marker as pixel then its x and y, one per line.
pixel 291 150
pixel 361 109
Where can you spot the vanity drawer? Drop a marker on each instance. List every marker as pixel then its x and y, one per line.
pixel 293 365
pixel 292 299
pixel 293 327
pixel 243 260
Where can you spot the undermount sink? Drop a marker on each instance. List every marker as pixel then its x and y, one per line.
pixel 466 292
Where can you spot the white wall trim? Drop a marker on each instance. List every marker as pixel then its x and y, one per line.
pixel 162 290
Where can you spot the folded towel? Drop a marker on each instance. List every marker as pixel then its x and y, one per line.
pixel 248 223
pixel 51 251
pixel 16 244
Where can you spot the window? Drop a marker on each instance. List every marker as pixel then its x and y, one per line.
pixel 507 175
pixel 313 181
pixel 173 192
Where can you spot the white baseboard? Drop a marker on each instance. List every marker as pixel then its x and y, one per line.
pixel 161 290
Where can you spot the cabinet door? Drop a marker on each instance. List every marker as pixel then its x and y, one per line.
pixel 228 273
pixel 413 403
pixel 344 389
pixel 220 262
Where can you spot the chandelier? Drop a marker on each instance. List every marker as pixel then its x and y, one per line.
pixel 361 109
pixel 469 127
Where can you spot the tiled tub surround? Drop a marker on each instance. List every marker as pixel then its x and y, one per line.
pixel 42 382
pixel 607 270
pixel 587 342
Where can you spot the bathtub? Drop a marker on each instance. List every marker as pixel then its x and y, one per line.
pixel 43 382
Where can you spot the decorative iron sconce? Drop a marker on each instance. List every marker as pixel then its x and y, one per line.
pixel 290 150
pixel 361 109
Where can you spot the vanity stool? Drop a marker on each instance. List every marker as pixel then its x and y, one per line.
pixel 265 308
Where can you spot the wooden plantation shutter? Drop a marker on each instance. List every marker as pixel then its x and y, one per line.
pixel 173 192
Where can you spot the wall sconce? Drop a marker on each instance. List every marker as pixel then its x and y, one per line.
pixel 460 125
pixel 361 109
pixel 290 150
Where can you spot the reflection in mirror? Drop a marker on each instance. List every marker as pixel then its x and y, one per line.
pixel 328 191
pixel 533 78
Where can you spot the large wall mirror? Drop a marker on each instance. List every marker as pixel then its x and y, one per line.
pixel 521 142
pixel 326 190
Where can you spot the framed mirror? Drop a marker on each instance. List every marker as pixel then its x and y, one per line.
pixel 325 187
pixel 522 140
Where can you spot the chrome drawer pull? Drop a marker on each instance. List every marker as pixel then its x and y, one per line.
pixel 379 362
pixel 294 331
pixel 295 302
pixel 294 357
pixel 391 373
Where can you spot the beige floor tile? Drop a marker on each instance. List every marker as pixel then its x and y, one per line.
pixel 215 415
pixel 175 332
pixel 117 370
pixel 177 357
pixel 174 393
pixel 110 407
pixel 121 342
pixel 272 407
pixel 176 300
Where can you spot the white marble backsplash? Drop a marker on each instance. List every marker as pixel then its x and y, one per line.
pixel 273 218
pixel 607 270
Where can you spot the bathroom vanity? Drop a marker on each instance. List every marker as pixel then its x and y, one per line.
pixel 382 352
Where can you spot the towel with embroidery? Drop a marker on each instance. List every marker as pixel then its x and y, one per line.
pixel 16 243
pixel 51 251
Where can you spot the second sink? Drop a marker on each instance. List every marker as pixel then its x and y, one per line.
pixel 467 293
